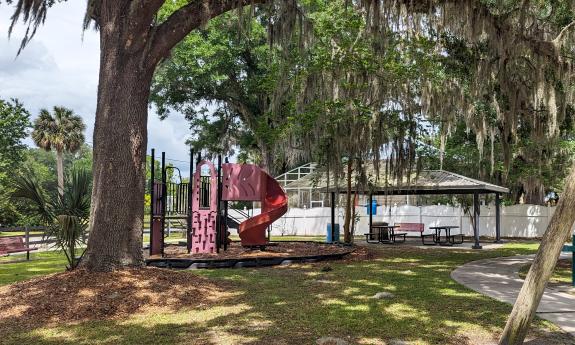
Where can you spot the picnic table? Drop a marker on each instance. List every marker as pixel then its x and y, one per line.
pixel 387 233
pixel 449 238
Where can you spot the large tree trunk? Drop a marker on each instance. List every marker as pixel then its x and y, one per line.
pixel 131 46
pixel 559 229
pixel 60 171
pixel 348 204
pixel 120 138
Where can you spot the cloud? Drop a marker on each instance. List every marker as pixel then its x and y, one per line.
pixel 60 67
pixel 10 66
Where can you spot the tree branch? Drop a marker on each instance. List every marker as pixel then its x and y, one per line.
pixel 557 40
pixel 186 19
pixel 145 10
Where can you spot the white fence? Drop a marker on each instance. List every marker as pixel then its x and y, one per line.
pixel 516 220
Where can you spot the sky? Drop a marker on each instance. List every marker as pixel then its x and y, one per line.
pixel 60 67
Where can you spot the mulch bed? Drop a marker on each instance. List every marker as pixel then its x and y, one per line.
pixel 278 250
pixel 77 296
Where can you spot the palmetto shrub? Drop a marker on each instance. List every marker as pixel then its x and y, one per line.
pixel 66 216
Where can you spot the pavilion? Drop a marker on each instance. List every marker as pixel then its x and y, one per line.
pixel 424 182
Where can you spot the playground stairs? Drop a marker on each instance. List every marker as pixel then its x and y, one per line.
pixel 236 217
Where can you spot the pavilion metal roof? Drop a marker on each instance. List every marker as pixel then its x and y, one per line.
pixel 426 182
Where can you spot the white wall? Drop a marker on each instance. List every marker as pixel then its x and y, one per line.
pixel 516 221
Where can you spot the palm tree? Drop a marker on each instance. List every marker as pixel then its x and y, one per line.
pixel 63 131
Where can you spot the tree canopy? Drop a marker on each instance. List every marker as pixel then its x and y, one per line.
pixel 14 122
pixel 223 79
pixel 370 69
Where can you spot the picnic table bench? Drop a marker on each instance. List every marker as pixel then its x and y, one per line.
pixel 14 244
pixel 416 227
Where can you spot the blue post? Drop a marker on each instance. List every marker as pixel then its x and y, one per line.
pixel 371 207
pixel 332 233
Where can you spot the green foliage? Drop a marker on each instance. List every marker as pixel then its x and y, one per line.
pixel 67 215
pixel 157 172
pixel 14 121
pixel 478 143
pixel 41 165
pixel 223 79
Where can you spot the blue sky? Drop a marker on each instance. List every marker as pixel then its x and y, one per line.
pixel 60 67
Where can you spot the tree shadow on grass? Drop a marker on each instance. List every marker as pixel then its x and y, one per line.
pixel 299 304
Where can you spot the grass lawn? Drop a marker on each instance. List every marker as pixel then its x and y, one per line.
pixel 299 304
pixel 14 268
pixel 561 274
pixel 174 237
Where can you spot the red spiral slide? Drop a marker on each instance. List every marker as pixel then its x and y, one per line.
pixel 249 182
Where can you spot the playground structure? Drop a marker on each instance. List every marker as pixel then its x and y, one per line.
pixel 203 204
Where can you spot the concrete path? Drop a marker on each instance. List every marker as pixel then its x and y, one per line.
pixel 499 278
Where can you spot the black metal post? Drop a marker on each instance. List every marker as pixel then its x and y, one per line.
pixel 152 200
pixel 498 218
pixel 164 200
pixel 190 202
pixel 476 212
pixel 332 215
pixel 27 242
pixel 370 209
pixel 218 205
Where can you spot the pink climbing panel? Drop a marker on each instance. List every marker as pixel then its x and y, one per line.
pixel 243 182
pixel 204 218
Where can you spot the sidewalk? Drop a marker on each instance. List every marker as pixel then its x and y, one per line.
pixel 498 278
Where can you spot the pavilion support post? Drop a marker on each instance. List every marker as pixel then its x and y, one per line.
pixel 332 215
pixel 498 218
pixel 476 212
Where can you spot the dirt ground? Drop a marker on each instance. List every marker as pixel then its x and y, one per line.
pixel 278 249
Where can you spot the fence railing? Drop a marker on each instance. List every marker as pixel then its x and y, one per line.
pixel 33 235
